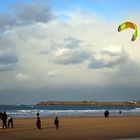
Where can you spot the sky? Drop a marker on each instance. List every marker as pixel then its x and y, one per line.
pixel 68 50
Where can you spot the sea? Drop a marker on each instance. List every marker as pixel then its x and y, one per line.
pixel 24 111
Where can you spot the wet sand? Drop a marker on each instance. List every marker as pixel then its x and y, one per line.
pixel 74 128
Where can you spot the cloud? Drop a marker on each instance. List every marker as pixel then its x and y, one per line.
pixel 5 42
pixel 53 73
pixel 67 56
pixel 23 14
pixel 8 60
pixel 69 52
pixel 110 58
pixel 21 77
pixel 34 12
pixel 6 20
pixel 71 42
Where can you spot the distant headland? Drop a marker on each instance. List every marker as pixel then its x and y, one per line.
pixel 90 102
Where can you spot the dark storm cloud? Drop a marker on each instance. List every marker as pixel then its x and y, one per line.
pixel 23 13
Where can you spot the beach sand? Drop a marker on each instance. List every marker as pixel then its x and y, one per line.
pixel 74 128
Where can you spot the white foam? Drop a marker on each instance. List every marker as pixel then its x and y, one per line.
pixel 63 112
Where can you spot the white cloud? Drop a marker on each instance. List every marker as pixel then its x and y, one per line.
pixel 72 42
pixel 110 58
pixel 22 77
pixel 70 51
pixel 67 56
pixel 53 73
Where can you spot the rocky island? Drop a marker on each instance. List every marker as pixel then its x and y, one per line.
pixel 90 102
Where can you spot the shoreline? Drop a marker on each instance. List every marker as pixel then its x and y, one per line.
pixel 79 116
pixel 77 110
pixel 74 128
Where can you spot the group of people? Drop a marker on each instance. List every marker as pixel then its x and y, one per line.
pixel 38 122
pixel 106 113
pixel 6 118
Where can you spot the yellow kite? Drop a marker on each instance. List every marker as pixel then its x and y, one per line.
pixel 126 25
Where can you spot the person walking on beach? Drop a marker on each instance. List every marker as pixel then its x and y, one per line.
pixel 4 120
pixel 10 121
pixel 38 121
pixel 56 122
pixel 120 112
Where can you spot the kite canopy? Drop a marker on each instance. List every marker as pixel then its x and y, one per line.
pixel 126 25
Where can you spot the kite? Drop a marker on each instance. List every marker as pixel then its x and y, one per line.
pixel 126 25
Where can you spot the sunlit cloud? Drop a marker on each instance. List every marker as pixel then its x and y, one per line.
pixel 22 77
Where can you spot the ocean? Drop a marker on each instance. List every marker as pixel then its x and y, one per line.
pixel 23 111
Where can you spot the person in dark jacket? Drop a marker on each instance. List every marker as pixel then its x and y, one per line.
pixel 4 120
pixel 38 121
pixel 56 122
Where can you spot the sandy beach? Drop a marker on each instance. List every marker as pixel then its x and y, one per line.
pixel 74 128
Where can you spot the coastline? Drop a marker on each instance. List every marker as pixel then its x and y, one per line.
pixel 90 102
pixel 74 128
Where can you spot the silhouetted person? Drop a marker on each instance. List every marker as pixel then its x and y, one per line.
pixel 4 120
pixel 56 122
pixel 38 121
pixel 10 121
pixel 106 113
pixel 120 112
